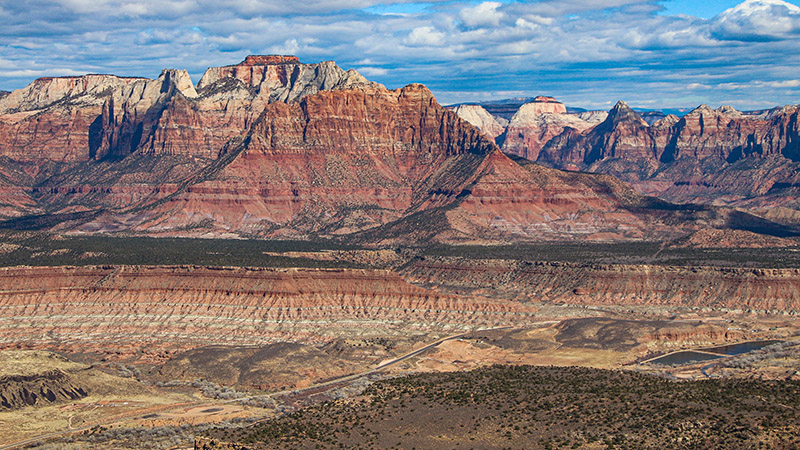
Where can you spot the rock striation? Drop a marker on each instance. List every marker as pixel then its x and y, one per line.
pixel 55 119
pixel 162 310
pixel 273 147
pixel 718 156
pixel 537 122
pixel 733 289
pixel 709 156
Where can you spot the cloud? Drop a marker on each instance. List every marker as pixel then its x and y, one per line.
pixel 484 14
pixel 758 20
pixel 784 84
pixel 586 52
pixel 372 71
pixel 425 36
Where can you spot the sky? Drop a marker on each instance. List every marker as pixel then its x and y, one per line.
pixel 587 53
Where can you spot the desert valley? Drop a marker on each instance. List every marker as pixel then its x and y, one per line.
pixel 289 255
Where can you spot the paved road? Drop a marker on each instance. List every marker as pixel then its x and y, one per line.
pixel 135 415
pixel 356 376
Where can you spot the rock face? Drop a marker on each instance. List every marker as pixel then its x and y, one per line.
pixel 481 119
pixel 161 310
pixel 774 290
pixel 535 124
pixel 18 391
pixel 55 119
pixel 622 134
pixel 272 147
pixel 708 156
pixel 713 156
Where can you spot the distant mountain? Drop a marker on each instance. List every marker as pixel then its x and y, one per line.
pixel 504 108
pixel 721 157
pixel 275 148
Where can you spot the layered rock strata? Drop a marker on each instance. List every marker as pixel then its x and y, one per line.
pixel 770 290
pixel 708 156
pixel 272 147
pixel 161 310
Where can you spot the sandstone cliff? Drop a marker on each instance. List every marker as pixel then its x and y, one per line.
pixel 708 156
pixel 535 124
pixel 481 119
pixel 55 118
pixel 272 147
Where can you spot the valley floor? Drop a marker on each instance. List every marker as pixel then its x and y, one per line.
pixel 425 348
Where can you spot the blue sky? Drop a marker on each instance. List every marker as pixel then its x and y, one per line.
pixel 589 53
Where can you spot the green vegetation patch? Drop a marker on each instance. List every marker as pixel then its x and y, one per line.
pixel 524 407
pixel 43 249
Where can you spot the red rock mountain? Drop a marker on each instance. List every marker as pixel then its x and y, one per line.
pixel 720 156
pixel 275 148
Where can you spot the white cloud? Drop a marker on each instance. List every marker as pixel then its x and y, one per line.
pixel 484 14
pixel 586 51
pixel 372 71
pixel 758 19
pixel 784 84
pixel 425 36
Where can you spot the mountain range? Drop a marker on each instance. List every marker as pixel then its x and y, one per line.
pixel 708 156
pixel 275 148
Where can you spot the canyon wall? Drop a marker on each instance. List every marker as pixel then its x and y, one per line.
pixel 772 290
pixel 158 311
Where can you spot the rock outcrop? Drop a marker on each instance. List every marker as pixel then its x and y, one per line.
pixel 481 119
pixel 771 290
pixel 18 391
pixel 713 156
pixel 162 310
pixel 56 119
pixel 535 124
pixel 623 134
pixel 708 156
pixel 272 147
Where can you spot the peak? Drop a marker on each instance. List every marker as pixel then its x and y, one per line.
pixel 180 80
pixel 729 110
pixel 621 112
pixel 269 60
pixel 530 111
pixel 702 109
pixel 621 105
pixel 545 99
pixel 282 78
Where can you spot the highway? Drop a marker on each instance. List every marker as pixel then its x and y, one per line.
pixel 135 415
